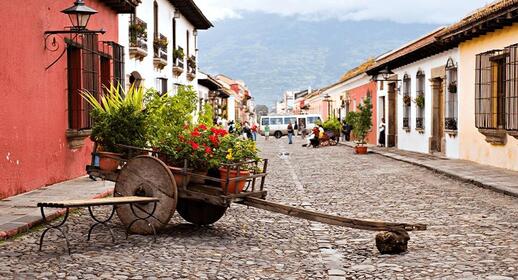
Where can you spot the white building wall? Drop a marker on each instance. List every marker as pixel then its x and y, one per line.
pixel 414 140
pixel 231 107
pixel 145 68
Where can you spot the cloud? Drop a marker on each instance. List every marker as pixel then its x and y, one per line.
pixel 403 11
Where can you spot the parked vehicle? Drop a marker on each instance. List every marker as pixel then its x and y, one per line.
pixel 279 124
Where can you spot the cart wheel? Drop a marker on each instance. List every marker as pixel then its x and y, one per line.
pixel 150 177
pixel 199 212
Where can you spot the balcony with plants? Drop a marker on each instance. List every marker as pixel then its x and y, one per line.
pixel 138 39
pixel 191 67
pixel 160 51
pixel 178 61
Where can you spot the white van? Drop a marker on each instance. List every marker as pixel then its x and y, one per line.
pixel 279 124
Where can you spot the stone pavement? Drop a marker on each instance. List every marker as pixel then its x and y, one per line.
pixel 19 213
pixel 497 179
pixel 472 232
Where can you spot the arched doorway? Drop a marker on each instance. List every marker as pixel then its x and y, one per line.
pixel 135 79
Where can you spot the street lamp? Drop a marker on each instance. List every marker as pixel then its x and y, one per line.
pixel 79 15
pixel 386 73
pixel 327 98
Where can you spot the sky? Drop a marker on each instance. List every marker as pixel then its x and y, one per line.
pixel 401 11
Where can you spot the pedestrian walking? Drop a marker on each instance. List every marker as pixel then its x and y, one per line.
pixel 381 139
pixel 290 133
pixel 231 127
pixel 247 131
pixel 296 128
pixel 344 131
pixel 254 132
pixel 266 132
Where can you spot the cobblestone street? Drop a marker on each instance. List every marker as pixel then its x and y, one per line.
pixel 472 232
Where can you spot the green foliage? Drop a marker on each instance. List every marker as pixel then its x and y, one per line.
pixel 206 115
pixel 178 54
pixel 234 149
pixel 167 115
pixel 362 120
pixel 350 118
pixel 332 124
pixel 118 118
pixel 419 101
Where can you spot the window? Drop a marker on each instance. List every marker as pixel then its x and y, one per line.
pixel 276 121
pixel 450 120
pixel 188 45
pixel 265 121
pixel 155 19
pixel 496 90
pixel 91 64
pixel 406 101
pixel 511 96
pixel 419 99
pixel 293 120
pixel 381 85
pixel 161 85
pixel 313 119
pixel 490 90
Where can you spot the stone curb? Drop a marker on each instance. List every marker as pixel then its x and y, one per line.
pixel 4 235
pixel 493 187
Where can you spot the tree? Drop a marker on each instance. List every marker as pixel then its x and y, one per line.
pixel 362 120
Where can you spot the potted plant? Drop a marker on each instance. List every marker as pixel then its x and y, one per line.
pixel 362 124
pixel 407 100
pixel 178 54
pixel 419 101
pixel 452 87
pixel 160 42
pixel 234 151
pixel 118 118
pixel 138 30
pixel 191 62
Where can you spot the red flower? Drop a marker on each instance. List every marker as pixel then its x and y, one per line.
pixel 214 139
pixel 195 133
pixel 202 127
pixel 194 145
pixel 208 150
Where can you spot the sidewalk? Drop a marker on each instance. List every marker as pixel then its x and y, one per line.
pixel 497 179
pixel 19 213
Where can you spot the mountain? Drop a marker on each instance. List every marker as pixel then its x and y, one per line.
pixel 274 53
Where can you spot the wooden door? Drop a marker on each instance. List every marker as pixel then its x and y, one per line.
pixel 392 116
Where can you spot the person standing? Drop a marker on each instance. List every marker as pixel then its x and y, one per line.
pixel 290 133
pixel 381 139
pixel 247 131
pixel 254 132
pixel 266 132
pixel 296 129
pixel 303 131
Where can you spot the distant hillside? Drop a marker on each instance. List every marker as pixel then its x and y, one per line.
pixel 273 53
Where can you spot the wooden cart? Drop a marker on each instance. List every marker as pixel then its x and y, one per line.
pixel 204 199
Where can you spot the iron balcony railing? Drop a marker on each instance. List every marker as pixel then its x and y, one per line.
pixel 406 123
pixel 178 62
pixel 160 47
pixel 138 33
pixel 450 123
pixel 419 123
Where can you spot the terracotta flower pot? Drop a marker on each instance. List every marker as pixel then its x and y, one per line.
pixel 360 150
pixel 232 184
pixel 109 161
pixel 179 177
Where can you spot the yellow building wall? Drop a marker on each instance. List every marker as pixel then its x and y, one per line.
pixel 473 145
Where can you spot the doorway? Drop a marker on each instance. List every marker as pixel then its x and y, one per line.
pixel 437 141
pixel 392 116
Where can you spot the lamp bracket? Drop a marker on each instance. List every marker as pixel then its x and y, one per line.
pixel 53 45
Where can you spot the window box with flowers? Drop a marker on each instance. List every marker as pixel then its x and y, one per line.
pixel 138 39
pixel 178 58
pixel 160 51
pixel 191 68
